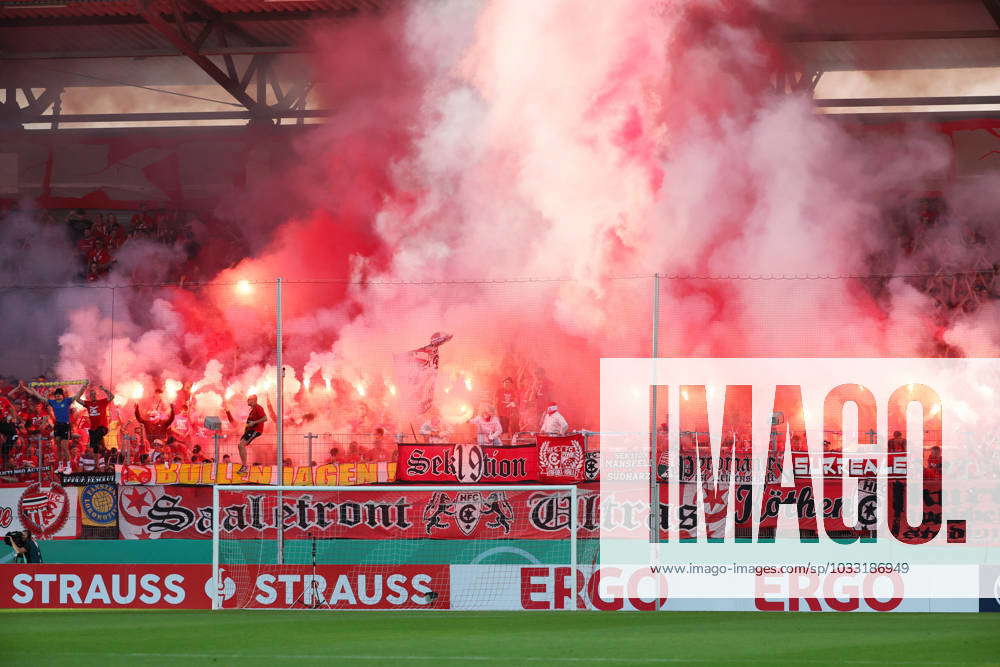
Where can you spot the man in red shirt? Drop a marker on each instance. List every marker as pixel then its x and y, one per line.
pixel 8 428
pixel 155 426
pixel 254 427
pixel 97 412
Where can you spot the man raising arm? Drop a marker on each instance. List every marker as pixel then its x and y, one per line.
pixel 97 412
pixel 254 427
pixel 60 406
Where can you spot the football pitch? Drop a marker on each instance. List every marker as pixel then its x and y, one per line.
pixel 500 638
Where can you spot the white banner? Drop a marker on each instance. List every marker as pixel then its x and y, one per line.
pixel 49 512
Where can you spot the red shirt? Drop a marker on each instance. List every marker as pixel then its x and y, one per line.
pixel 97 410
pixel 99 255
pixel 7 411
pixel 256 412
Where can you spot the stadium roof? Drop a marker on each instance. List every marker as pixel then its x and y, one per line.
pixel 57 29
pixel 898 34
pixel 240 44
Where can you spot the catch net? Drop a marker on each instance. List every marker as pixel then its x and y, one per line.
pixel 393 547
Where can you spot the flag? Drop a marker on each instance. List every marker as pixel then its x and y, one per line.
pixel 416 377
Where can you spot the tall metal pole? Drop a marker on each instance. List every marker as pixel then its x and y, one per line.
pixel 654 495
pixel 573 529
pixel 279 428
pixel 216 580
pixel 111 349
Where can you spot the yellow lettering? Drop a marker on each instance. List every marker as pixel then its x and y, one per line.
pixel 366 473
pixel 259 475
pixel 165 475
pixel 347 474
pixel 188 473
pixel 303 476
pixel 327 474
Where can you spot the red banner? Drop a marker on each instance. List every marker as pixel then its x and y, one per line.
pixel 467 464
pixel 155 512
pixel 560 460
pixel 126 586
pixel 105 586
pixel 341 586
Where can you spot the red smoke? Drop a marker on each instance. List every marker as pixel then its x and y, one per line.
pixel 552 140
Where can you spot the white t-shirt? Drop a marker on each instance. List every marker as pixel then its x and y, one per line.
pixel 487 430
pixel 554 423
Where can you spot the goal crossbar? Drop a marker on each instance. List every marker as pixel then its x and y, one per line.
pixel 571 489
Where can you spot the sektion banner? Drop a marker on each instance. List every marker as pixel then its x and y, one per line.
pixel 467 464
pixel 331 474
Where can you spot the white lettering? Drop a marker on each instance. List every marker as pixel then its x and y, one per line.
pixel 342 591
pixel 421 588
pixel 267 593
pixel 116 589
pixel 173 583
pixel 289 581
pixel 147 583
pixel 45 580
pixel 22 582
pixel 97 590
pixel 394 582
pixel 320 588
pixel 363 589
pixel 69 587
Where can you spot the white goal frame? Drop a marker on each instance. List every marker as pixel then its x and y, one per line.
pixel 572 489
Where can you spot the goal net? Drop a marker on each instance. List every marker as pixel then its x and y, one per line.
pixel 393 547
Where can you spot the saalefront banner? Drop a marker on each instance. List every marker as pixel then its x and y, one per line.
pixel 156 512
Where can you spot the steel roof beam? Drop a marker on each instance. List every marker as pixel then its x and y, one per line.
pixel 153 53
pixel 175 116
pixel 993 7
pixel 908 101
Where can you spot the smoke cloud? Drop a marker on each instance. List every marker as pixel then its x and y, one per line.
pixel 565 148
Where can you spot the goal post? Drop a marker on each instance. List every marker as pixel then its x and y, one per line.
pixel 474 547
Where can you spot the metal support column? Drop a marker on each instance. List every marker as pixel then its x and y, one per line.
pixel 573 529
pixel 216 583
pixel 280 427
pixel 654 496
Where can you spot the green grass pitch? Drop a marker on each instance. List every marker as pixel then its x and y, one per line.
pixel 500 638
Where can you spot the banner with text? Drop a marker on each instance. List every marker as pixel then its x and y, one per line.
pixel 467 464
pixel 154 512
pixel 331 474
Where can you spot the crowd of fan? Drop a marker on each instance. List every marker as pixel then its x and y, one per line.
pixel 44 430
pixel 89 431
pixel 98 236
pixel 955 262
